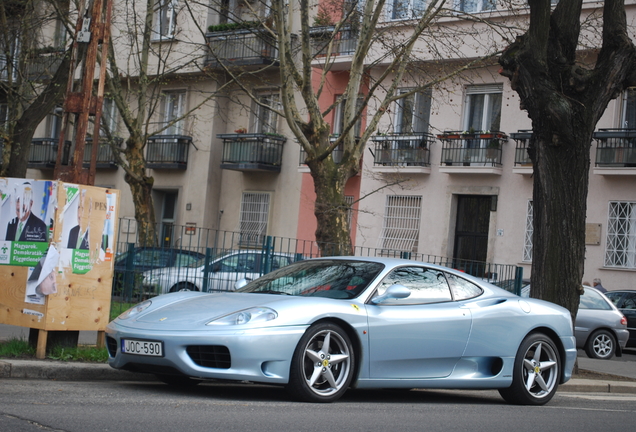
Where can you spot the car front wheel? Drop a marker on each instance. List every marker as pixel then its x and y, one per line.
pixel 536 372
pixel 601 345
pixel 323 364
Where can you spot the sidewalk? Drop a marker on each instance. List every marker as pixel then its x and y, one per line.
pixel 609 376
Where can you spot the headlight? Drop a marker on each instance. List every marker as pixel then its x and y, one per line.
pixel 251 315
pixel 137 309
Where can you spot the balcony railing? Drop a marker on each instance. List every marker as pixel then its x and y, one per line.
pixel 615 147
pixel 6 69
pixel 105 157
pixel 241 48
pixel 344 41
pixel 167 152
pixel 43 153
pixel 522 138
pixel 472 149
pixel 252 152
pixel 336 154
pixel 44 66
pixel 402 149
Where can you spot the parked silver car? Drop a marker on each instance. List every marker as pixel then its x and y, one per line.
pixel 600 328
pixel 222 272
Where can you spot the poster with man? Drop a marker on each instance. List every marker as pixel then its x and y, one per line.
pixel 27 214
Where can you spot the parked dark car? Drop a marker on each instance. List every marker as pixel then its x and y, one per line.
pixel 129 268
pixel 625 301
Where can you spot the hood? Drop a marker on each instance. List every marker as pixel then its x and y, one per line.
pixel 194 311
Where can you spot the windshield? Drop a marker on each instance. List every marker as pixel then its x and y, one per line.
pixel 318 278
pixel 201 262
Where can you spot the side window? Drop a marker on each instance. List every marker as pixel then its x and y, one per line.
pixel 593 300
pixel 280 261
pixel 239 263
pixel 614 297
pixel 630 301
pixel 154 258
pixel 462 288
pixel 426 285
pixel 183 260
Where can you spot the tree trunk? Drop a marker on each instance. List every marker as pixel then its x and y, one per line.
pixel 141 189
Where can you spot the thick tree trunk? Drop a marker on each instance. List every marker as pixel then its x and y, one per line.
pixel 333 233
pixel 141 189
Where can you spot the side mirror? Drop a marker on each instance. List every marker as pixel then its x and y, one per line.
pixel 393 292
pixel 241 283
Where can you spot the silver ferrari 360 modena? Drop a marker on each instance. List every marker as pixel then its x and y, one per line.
pixel 321 326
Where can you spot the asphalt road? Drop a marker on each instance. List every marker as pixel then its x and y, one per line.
pixel 33 405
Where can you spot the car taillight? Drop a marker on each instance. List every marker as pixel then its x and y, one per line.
pixel 624 320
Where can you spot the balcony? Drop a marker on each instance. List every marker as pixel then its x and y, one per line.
pixel 403 152
pixel 243 47
pixel 523 163
pixel 167 152
pixel 6 69
pixel 105 157
pixel 615 151
pixel 336 154
pixel 43 153
pixel 43 66
pixel 471 153
pixel 257 152
pixel 344 45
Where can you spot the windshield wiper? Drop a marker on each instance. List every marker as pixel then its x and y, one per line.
pixel 272 292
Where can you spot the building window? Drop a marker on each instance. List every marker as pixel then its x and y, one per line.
pixel 109 118
pixel 621 235
pixel 338 124
pixel 401 226
pixel 349 201
pixel 405 9
pixel 54 123
pixel 165 19
pixel 483 107
pixel 254 218
pixel 527 240
pixel 629 109
pixel 412 112
pixel 9 53
pixel 266 119
pixel 4 115
pixel 471 6
pixel 173 110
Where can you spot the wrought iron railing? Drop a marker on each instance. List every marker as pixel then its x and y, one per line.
pixel 167 151
pixel 522 139
pixel 615 147
pixel 105 157
pixel 43 153
pixel 259 151
pixel 241 47
pixel 344 41
pixel 136 275
pixel 400 149
pixel 472 149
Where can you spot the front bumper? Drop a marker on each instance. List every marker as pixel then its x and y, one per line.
pixel 259 355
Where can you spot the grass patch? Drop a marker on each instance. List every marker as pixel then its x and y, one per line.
pixel 20 348
pixel 16 348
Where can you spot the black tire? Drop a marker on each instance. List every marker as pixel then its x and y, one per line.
pixel 322 366
pixel 181 381
pixel 601 345
pixel 536 372
pixel 183 286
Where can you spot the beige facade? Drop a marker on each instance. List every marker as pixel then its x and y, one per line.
pixel 210 190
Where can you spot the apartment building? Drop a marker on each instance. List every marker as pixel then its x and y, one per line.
pixel 446 173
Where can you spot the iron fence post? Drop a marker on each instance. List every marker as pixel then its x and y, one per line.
pixel 206 270
pixel 518 280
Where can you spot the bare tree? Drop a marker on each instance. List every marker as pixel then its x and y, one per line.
pixel 34 68
pixel 383 57
pixel 565 98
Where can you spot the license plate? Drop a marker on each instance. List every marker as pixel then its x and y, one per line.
pixel 139 347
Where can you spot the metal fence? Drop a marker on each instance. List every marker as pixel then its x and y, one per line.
pixel 193 258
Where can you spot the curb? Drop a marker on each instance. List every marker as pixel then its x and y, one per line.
pixel 598 386
pixel 67 371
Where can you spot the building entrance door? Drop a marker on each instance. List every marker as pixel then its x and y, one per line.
pixel 471 233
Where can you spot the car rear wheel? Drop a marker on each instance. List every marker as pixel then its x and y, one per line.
pixel 536 372
pixel 601 345
pixel 183 286
pixel 323 364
